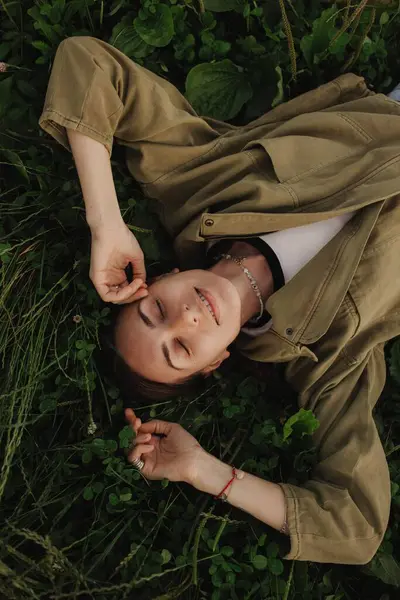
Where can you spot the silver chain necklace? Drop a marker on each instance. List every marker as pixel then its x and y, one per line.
pixel 239 261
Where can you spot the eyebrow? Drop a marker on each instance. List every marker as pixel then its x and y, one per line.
pixel 144 317
pixel 164 346
pixel 167 355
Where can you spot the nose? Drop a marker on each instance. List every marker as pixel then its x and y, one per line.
pixel 188 316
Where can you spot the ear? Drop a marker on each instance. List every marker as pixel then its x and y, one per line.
pixel 217 363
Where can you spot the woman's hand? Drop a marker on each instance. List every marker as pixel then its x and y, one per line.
pixel 174 456
pixel 113 248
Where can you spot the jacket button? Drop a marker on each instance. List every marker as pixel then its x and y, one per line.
pixel 289 331
pixel 209 222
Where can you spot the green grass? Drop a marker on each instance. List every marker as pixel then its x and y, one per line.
pixel 75 520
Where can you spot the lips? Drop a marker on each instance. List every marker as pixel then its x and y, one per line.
pixel 210 300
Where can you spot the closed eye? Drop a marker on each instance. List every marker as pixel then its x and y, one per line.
pixel 183 346
pixel 160 308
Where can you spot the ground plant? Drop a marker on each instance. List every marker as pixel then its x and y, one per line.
pixel 76 521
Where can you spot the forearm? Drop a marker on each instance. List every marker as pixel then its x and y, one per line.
pixel 96 179
pixel 262 499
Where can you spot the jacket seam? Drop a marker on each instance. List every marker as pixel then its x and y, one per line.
pixel 318 167
pixel 379 246
pixel 372 537
pixel 77 122
pixel 383 319
pixel 332 197
pixel 159 179
pixel 282 184
pixel 89 88
pixel 355 126
pixel 314 306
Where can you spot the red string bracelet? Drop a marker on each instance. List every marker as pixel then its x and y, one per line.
pixel 236 474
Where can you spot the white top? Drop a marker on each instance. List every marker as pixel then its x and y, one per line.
pixel 296 246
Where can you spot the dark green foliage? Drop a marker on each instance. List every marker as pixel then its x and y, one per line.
pixel 76 521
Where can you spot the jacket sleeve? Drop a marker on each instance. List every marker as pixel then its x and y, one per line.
pixel 340 515
pixel 97 90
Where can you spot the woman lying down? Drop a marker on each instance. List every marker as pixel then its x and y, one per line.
pixel 288 234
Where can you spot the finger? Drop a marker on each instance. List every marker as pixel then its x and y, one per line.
pixel 139 450
pixel 121 293
pixel 129 290
pixel 130 415
pixel 134 298
pixel 133 420
pixel 139 270
pixel 142 438
pixel 156 426
pixel 125 283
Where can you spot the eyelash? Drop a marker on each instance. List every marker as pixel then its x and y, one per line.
pixel 162 313
pixel 160 308
pixel 183 346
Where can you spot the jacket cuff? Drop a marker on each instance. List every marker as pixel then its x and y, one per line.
pixel 55 124
pixel 292 521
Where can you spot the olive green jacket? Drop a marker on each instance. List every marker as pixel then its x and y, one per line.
pixel 332 150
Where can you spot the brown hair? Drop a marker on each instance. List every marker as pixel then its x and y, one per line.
pixel 132 383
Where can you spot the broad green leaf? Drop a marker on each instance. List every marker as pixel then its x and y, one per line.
pixel 230 578
pixel 224 5
pixel 306 45
pixel 125 497
pixel 272 550
pixel 88 493
pixel 87 457
pixel 48 404
pixel 302 423
pixel 113 499
pixel 98 487
pixel 339 46
pixel 218 90
pixel 158 28
pixel 250 45
pixel 42 46
pixel 384 18
pixel 111 445
pixel 385 568
pixel 126 38
pixel 262 539
pixel 323 30
pixel 260 562
pixel 227 550
pixel 166 556
pixel 275 566
pixel 126 435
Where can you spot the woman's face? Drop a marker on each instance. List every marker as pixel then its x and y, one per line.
pixel 183 326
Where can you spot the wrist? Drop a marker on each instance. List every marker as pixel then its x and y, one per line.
pixel 103 223
pixel 211 474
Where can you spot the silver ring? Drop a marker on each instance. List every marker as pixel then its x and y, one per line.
pixel 138 463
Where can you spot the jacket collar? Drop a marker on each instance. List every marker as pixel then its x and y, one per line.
pixel 302 310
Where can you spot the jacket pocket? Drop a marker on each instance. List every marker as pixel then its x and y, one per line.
pixel 310 142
